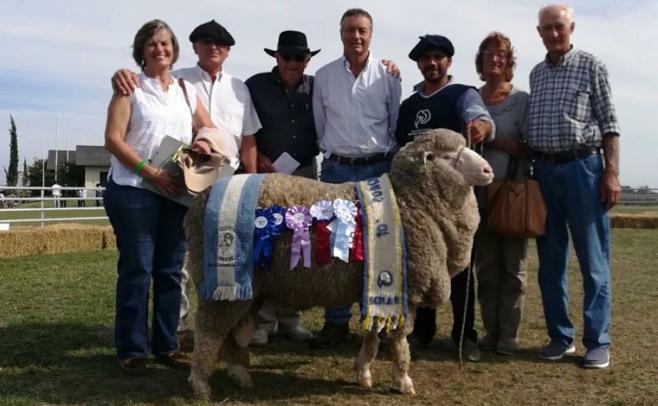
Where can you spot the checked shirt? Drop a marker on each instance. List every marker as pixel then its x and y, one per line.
pixel 570 104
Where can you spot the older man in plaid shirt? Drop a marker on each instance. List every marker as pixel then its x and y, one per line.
pixel 571 119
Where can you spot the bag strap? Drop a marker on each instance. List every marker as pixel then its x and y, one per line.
pixel 512 168
pixel 181 83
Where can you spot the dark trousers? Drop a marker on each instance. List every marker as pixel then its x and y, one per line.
pixel 425 323
pixel 151 243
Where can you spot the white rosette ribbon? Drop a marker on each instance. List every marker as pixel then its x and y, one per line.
pixel 342 228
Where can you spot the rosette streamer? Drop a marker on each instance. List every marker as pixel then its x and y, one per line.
pixel 322 211
pixel 343 228
pixel 298 218
pixel 262 239
pixel 356 254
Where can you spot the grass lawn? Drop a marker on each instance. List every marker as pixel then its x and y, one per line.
pixel 56 317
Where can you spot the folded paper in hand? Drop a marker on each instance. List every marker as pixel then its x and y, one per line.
pixel 164 160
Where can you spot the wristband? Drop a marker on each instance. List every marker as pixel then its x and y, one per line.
pixel 139 166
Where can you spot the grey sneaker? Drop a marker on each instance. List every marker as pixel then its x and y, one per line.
pixel 297 333
pixel 556 350
pixel 471 352
pixel 598 357
pixel 260 338
pixel 507 346
pixel 487 343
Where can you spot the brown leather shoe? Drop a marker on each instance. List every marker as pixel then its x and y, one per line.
pixel 174 359
pixel 133 366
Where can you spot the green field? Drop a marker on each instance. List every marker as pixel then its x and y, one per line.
pixel 56 317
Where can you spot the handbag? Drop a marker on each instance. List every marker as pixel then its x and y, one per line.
pixel 516 205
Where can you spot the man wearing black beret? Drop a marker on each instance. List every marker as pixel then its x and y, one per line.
pixel 441 103
pixel 227 98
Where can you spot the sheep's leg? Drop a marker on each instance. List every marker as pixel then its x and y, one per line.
pixel 243 332
pixel 367 354
pixel 236 353
pixel 401 357
pixel 207 343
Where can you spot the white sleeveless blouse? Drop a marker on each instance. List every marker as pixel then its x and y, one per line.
pixel 154 114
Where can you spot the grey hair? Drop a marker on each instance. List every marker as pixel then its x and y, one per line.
pixel 145 33
pixel 568 10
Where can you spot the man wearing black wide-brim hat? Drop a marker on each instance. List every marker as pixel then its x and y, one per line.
pixel 282 98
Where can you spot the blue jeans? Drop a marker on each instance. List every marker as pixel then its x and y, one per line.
pixel 571 192
pixel 151 244
pixel 333 172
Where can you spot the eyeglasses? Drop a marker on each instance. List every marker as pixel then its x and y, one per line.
pixel 499 54
pixel 296 57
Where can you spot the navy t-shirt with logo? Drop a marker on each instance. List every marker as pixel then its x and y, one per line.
pixel 419 113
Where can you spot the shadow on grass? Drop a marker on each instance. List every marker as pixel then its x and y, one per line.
pixel 70 363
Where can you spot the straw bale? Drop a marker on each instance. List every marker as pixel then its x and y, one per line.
pixel 55 238
pixel 633 221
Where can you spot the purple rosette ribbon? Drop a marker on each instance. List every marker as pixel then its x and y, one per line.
pixel 298 219
pixel 262 239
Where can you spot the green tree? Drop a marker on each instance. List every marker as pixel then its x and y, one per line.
pixel 69 174
pixel 34 176
pixel 26 180
pixel 11 174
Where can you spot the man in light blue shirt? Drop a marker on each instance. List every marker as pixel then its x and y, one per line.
pixel 355 107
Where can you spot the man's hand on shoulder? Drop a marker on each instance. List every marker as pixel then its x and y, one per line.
pixel 124 82
pixel 392 68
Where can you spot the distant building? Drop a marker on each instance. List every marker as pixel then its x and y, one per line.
pixel 93 158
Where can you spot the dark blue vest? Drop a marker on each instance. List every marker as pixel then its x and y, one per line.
pixel 419 113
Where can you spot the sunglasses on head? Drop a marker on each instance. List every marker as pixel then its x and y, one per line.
pixel 297 57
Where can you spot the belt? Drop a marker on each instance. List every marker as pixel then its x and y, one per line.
pixel 364 160
pixel 563 157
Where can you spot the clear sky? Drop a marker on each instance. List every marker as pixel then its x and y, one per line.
pixel 58 56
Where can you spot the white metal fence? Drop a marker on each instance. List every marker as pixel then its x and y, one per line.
pixel 48 204
pixel 72 206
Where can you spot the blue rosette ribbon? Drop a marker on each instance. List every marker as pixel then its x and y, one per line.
pixel 262 239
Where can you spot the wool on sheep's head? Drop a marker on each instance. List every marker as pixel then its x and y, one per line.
pixel 439 161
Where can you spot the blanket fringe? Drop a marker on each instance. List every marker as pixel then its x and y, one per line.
pixel 233 293
pixel 379 323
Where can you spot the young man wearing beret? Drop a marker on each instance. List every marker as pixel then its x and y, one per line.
pixel 441 103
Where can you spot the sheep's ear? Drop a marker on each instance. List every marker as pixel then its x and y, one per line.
pixel 427 156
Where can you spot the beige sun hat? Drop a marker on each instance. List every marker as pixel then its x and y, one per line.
pixel 201 170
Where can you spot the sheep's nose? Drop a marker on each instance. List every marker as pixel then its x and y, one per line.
pixel 487 170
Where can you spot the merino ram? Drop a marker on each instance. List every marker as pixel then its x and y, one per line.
pixel 432 179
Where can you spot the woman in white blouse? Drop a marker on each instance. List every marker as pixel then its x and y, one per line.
pixel 149 226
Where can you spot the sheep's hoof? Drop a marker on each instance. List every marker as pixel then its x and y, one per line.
pixel 240 376
pixel 201 388
pixel 364 379
pixel 405 386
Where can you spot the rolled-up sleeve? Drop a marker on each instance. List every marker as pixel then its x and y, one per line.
pixel 471 107
pixel 602 106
